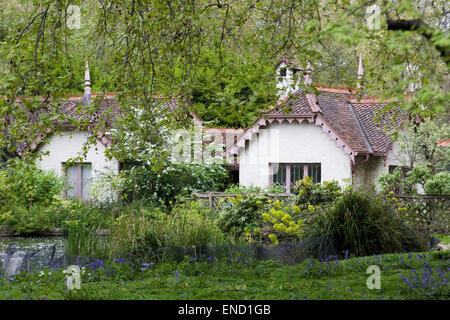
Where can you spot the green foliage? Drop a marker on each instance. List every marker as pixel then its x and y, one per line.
pixel 23 220
pixel 392 182
pixel 241 211
pixel 228 90
pixel 309 193
pixel 432 183
pixel 365 224
pixel 438 184
pixel 24 184
pixel 83 223
pixel 145 232
pixel 237 188
pixel 216 58
pixel 175 180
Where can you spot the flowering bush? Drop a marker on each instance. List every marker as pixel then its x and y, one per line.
pixel 285 219
pixel 174 180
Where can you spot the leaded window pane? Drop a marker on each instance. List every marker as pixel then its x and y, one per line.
pixel 72 182
pixel 86 170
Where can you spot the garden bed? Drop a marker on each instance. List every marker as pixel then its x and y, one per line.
pixel 403 276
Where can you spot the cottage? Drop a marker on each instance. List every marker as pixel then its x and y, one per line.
pixel 331 135
pixel 68 144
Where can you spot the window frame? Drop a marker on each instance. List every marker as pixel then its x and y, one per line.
pixel 288 165
pixel 79 183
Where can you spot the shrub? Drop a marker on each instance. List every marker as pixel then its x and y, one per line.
pixel 286 220
pixel 241 211
pixel 432 183
pixel 173 181
pixel 309 193
pixel 365 225
pixel 237 188
pixel 38 218
pixel 22 220
pixel 438 184
pixel 24 184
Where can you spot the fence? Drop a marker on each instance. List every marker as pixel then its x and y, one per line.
pixel 428 213
pixel 214 197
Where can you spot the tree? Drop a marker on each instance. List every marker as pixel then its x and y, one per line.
pixel 419 144
pixel 214 56
pixel 425 160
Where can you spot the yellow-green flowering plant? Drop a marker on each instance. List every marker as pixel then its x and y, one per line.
pixel 285 220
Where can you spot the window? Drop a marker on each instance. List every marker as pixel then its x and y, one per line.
pixel 283 72
pixel 295 71
pixel 287 174
pixel 78 177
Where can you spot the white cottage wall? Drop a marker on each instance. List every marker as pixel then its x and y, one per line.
pixel 67 145
pixel 291 143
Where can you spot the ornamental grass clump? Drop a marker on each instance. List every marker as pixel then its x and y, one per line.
pixel 365 225
pixel 150 231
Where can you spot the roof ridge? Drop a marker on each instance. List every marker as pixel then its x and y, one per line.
pixel 368 99
pixel 334 89
pixel 361 129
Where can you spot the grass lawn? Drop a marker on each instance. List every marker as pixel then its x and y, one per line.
pixel 444 239
pixel 403 276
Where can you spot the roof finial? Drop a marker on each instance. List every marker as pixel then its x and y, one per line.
pixel 360 72
pixel 87 85
pixel 308 79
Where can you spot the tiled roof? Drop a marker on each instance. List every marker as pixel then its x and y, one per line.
pixel 297 104
pixel 336 110
pixel 367 113
pixel 72 108
pixel 349 120
pixel 73 111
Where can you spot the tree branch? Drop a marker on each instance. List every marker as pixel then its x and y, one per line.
pixel 423 29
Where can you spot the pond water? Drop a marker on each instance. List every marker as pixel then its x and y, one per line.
pixel 18 254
